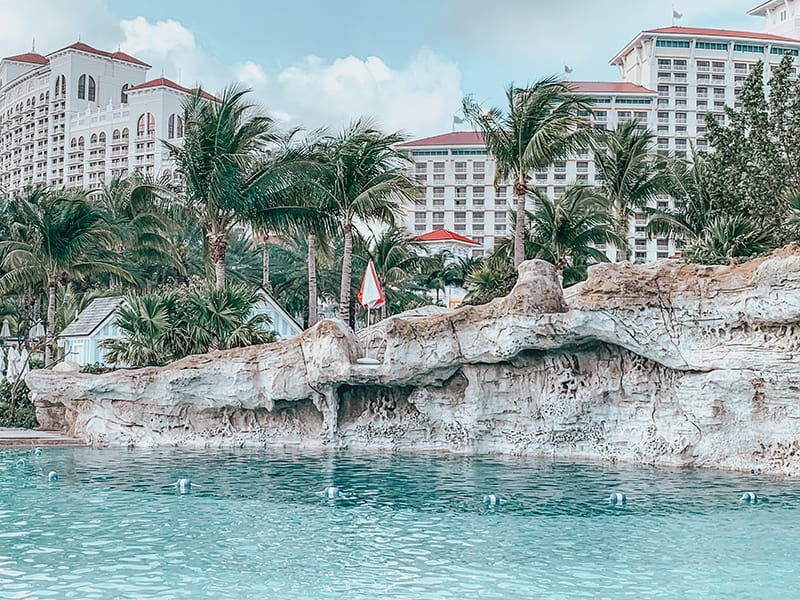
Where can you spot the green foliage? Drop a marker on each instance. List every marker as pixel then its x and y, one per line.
pixel 629 172
pixel 94 369
pixel 166 326
pixel 362 176
pixel 24 413
pixel 726 238
pixel 234 170
pixel 756 156
pixel 542 123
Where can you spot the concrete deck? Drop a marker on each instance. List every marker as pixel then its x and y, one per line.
pixel 34 437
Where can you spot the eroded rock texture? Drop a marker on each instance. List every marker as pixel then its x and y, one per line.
pixel 665 364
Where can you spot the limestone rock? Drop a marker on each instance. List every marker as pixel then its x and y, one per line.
pixel 664 364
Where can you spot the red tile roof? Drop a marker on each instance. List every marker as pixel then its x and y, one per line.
pixel 456 138
pixel 445 235
pixel 607 87
pixel 164 82
pixel 29 57
pixel 728 33
pixel 116 55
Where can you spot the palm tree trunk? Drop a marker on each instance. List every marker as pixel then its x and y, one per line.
pixel 347 271
pixel 51 324
pixel 265 266
pixel 519 231
pixel 622 230
pixel 218 246
pixel 312 279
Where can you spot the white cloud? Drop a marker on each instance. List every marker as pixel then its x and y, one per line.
pixel 419 97
pixel 251 74
pixel 54 25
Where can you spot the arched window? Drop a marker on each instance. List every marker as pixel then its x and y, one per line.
pixel 92 93
pixel 82 87
pixel 179 132
pixel 125 134
pixel 171 127
pixel 115 135
pixel 146 125
pixel 81 142
pixel 41 97
pixel 102 139
pixel 123 95
pixel 61 86
pixel 73 142
pixel 93 140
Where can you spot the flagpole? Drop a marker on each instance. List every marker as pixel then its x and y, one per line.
pixel 366 352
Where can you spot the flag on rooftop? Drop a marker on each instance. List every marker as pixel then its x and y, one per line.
pixel 567 69
pixel 677 15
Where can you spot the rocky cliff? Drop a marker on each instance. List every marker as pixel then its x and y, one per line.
pixel 666 364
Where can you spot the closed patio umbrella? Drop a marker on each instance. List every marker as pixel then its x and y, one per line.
pixel 37 331
pixel 5 331
pixel 2 363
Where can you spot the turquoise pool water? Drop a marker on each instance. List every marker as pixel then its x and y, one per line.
pixel 406 526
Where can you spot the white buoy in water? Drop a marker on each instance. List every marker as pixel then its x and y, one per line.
pixel 491 500
pixel 20 463
pixel 750 498
pixel 38 451
pixel 618 499
pixel 331 493
pixel 52 476
pixel 184 485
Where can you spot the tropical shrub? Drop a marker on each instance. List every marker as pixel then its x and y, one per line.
pixel 162 327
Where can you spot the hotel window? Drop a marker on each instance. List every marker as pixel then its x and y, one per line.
pixel 782 51
pixel 672 44
pixel 438 217
pixel 421 167
pixel 664 63
pixel 420 217
pixel 478 192
pixel 783 17
pixel 748 48
pixel 711 46
pixel 477 217
pixel 663 90
pixel 500 216
pixel 87 92
pixel 123 94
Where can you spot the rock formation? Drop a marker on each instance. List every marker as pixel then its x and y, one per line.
pixel 664 364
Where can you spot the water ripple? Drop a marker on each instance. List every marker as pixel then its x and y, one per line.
pixel 405 526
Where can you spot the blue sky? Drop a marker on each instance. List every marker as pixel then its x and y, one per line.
pixel 325 62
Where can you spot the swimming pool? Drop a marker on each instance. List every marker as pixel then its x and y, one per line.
pixel 405 526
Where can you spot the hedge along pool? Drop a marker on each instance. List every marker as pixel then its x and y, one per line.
pixel 256 524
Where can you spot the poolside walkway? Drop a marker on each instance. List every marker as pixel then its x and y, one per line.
pixel 33 437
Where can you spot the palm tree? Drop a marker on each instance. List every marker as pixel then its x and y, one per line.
pixel 437 272
pixel 230 177
pixel 729 237
pixel 56 237
pixel 693 203
pixel 364 179
pixel 397 261
pixel 630 174
pixel 542 124
pixel 141 222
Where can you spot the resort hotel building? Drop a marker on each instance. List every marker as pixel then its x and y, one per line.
pixel 671 77
pixel 80 116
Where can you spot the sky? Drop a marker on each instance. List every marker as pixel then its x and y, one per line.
pixel 323 63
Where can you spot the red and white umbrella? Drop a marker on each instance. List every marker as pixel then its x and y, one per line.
pixel 371 294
